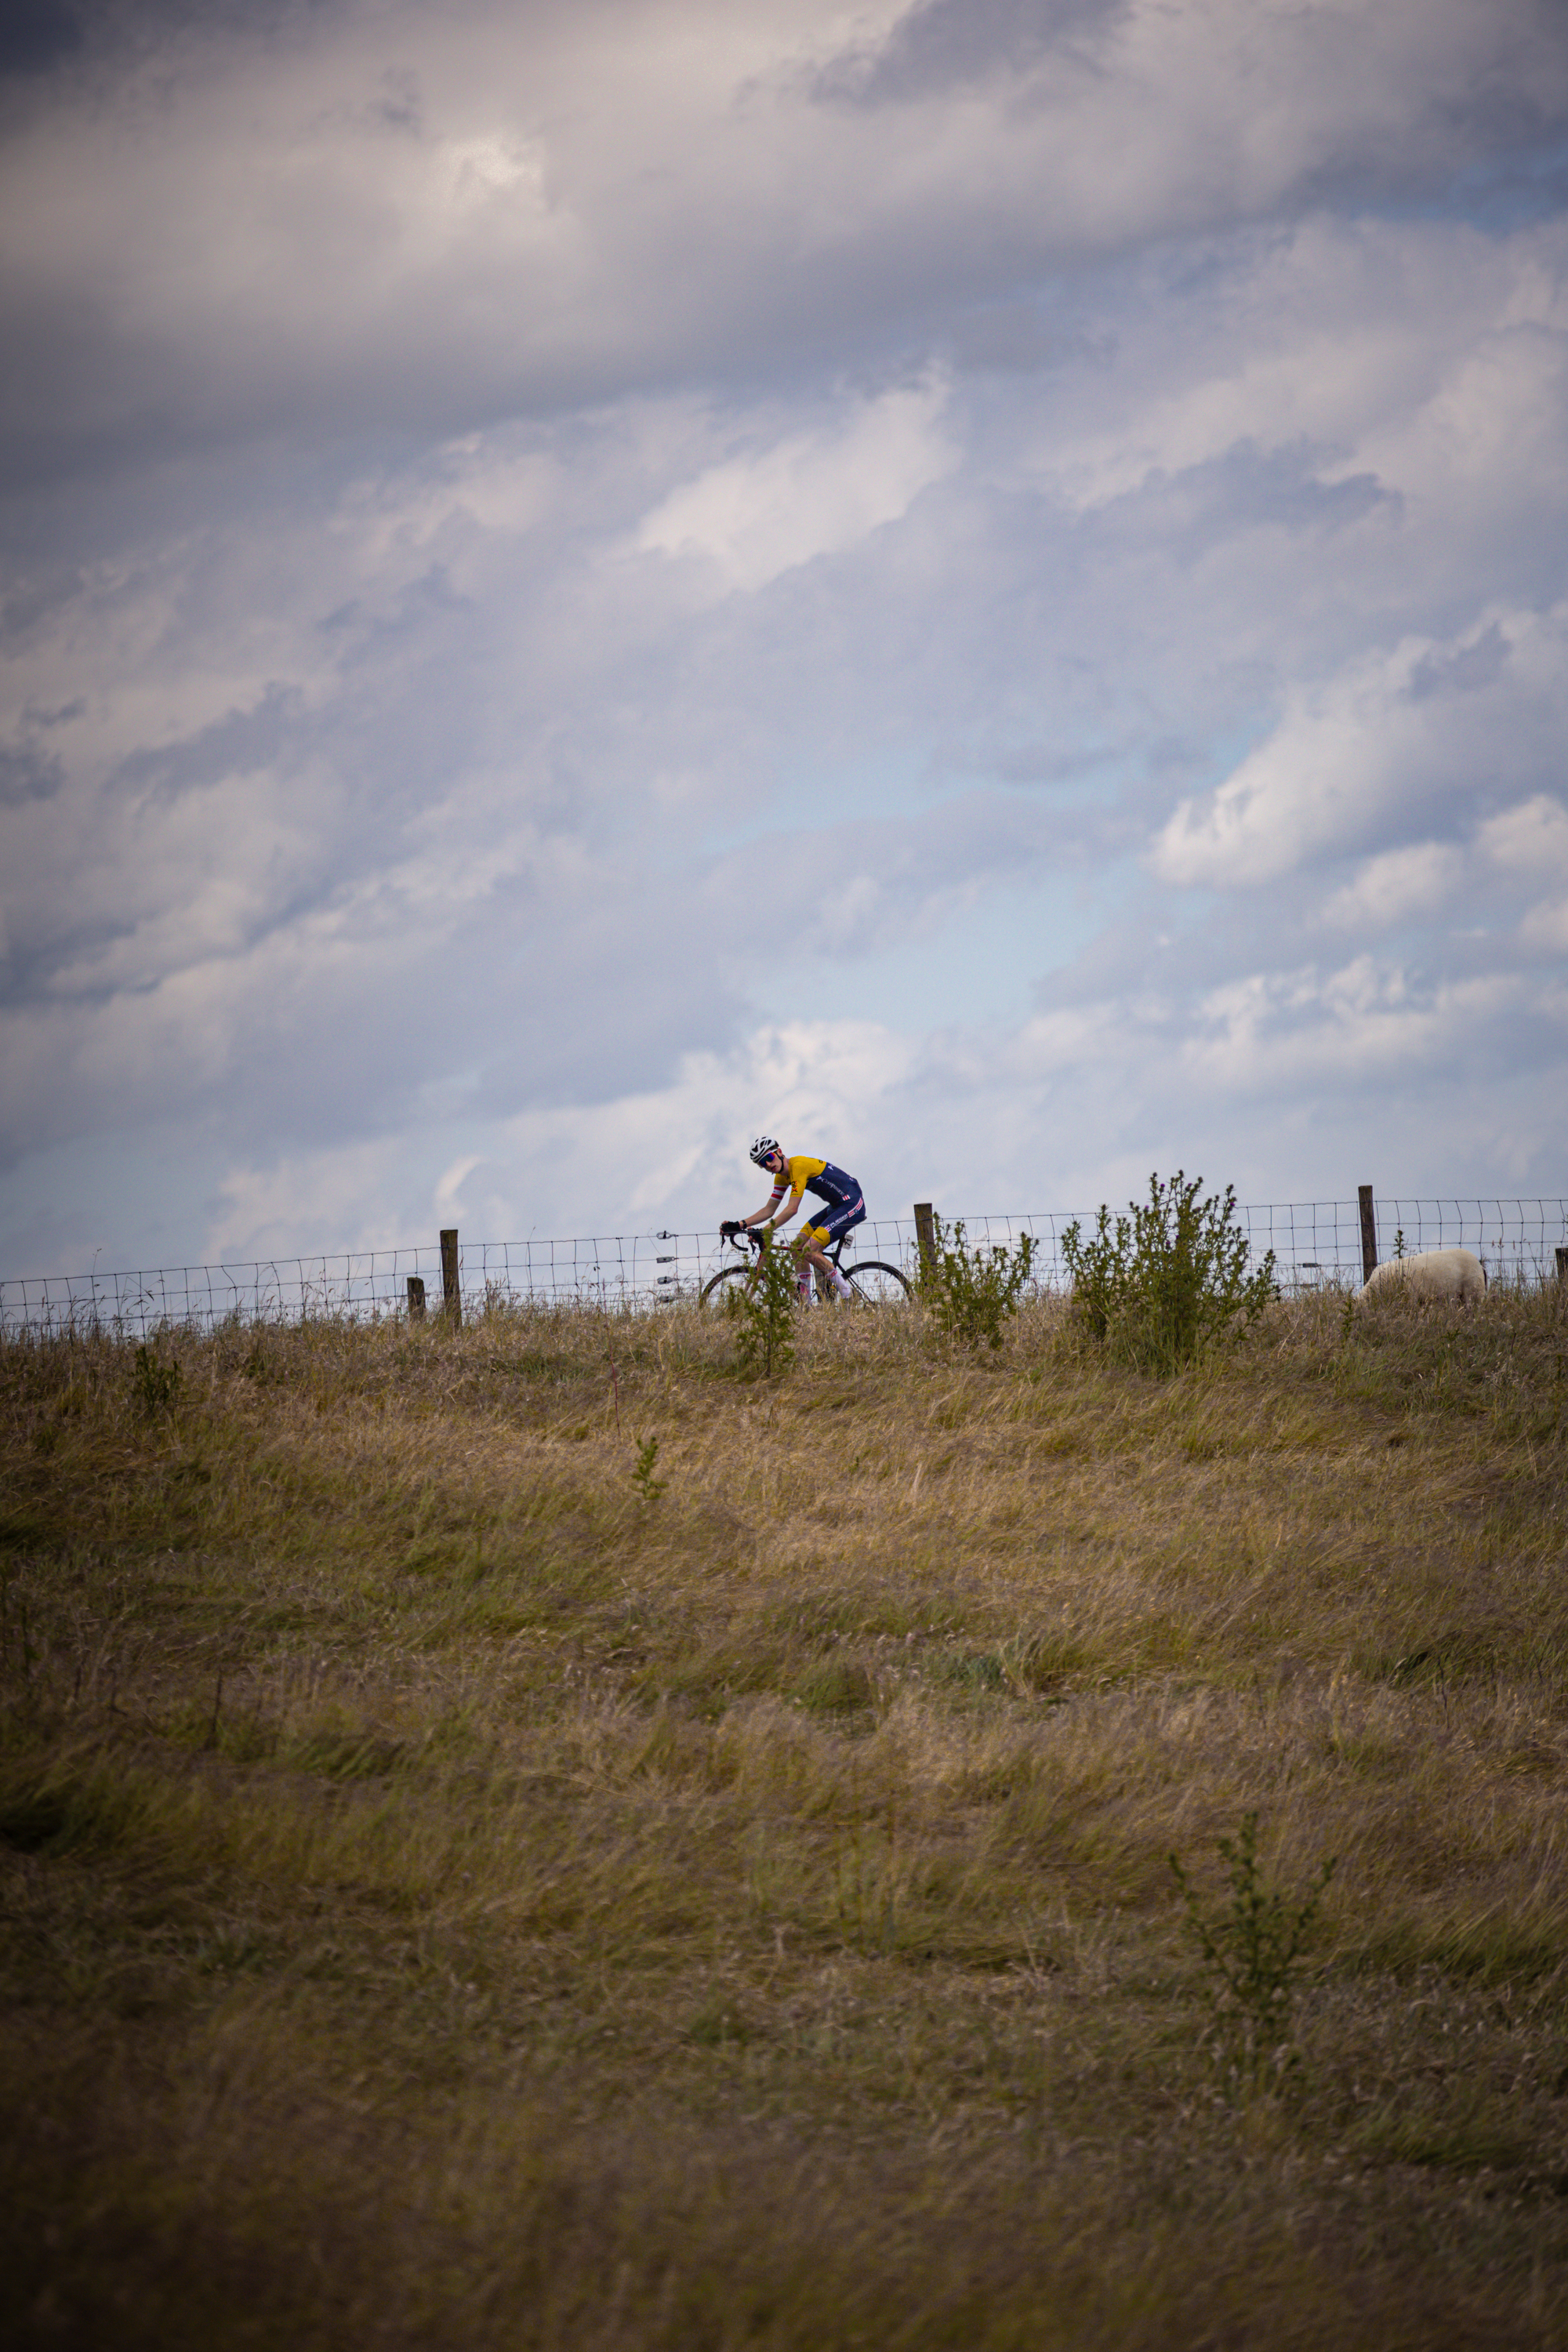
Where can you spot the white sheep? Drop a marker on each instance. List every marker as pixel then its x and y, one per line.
pixel 1431 1274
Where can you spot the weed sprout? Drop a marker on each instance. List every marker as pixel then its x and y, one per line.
pixel 1253 1954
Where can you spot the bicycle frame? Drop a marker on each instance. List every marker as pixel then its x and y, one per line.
pixel 752 1239
pixel 889 1281
pixel 758 1246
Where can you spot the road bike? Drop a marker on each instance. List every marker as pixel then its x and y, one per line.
pixel 872 1283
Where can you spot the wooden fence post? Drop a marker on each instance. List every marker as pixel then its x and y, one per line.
pixel 452 1296
pixel 925 1239
pixel 1368 1235
pixel 416 1298
pixel 1563 1263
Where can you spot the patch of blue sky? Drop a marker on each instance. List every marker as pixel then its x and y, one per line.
pixel 1203 767
pixel 810 801
pixel 58 1217
pixel 971 963
pixel 1498 194
pixel 817 799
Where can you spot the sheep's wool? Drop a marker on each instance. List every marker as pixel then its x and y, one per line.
pixel 1431 1274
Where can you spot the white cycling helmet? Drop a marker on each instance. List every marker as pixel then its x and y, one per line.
pixel 762 1150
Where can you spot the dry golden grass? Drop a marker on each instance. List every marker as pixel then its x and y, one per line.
pixel 454 1898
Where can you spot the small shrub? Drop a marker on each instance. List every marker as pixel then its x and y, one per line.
pixel 971 1292
pixel 1253 1953
pixel 1169 1279
pixel 762 1307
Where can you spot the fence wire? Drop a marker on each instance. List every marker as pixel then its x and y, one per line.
pixel 1316 1244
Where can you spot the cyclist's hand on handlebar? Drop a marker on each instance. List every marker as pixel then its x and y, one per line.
pixel 730 1227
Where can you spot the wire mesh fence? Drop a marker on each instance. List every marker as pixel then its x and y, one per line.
pixel 1317 1244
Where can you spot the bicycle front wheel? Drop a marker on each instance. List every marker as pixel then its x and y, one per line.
pixel 875 1284
pixel 738 1273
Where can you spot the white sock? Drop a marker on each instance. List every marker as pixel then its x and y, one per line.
pixel 840 1286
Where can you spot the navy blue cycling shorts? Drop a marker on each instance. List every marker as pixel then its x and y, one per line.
pixel 828 1221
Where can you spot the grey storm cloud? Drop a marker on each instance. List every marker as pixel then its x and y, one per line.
pixel 39 38
pixel 29 775
pixel 238 743
pixel 576 580
pixel 934 50
pixel 337 218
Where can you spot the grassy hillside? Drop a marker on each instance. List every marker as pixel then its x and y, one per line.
pixel 455 1893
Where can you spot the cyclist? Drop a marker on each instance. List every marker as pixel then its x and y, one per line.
pixel 797 1175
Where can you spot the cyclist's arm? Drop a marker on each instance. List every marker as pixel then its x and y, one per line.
pixel 766 1213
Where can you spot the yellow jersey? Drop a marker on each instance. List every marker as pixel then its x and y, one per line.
pixel 802 1173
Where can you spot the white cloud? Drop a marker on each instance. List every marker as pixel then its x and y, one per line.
pixel 449 1184
pixel 1530 841
pixel 825 1083
pixel 480 167
pixel 1545 927
pixel 1493 424
pixel 1400 884
pixel 811 494
pixel 1278 1032
pixel 386 528
pixel 331 1199
pixel 1419 354
pixel 1389 733
pixel 1531 838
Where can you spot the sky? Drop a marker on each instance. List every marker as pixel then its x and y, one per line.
pixel 981 586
